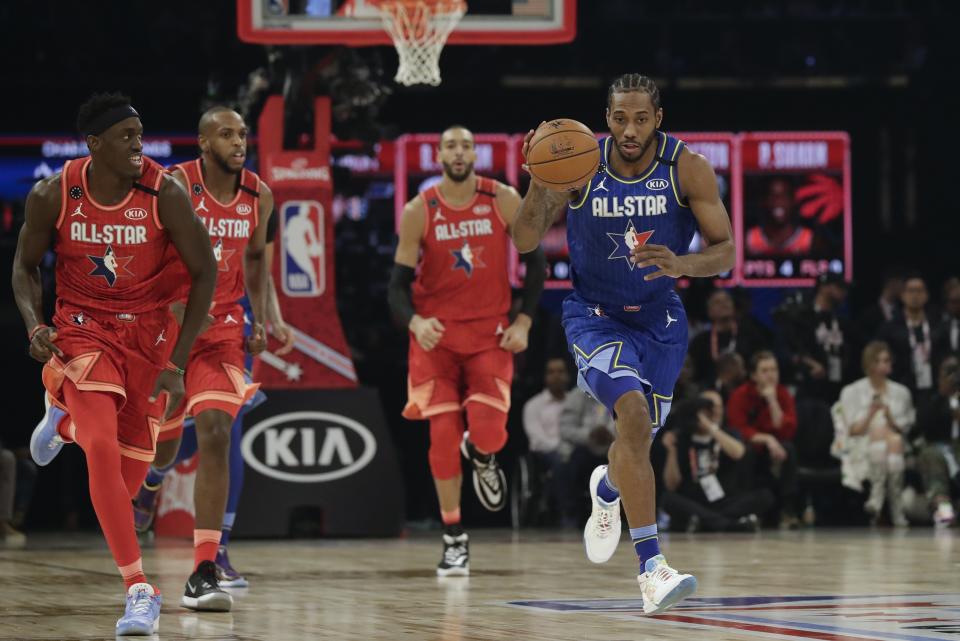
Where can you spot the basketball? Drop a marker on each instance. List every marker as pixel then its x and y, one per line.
pixel 563 154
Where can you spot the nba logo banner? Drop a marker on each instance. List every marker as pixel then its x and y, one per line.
pixel 302 263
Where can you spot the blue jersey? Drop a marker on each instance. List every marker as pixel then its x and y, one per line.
pixel 614 215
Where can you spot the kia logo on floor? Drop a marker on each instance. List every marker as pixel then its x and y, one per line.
pixel 308 447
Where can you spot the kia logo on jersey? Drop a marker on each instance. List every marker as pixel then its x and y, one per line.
pixel 302 264
pixel 244 209
pixel 481 210
pixel 308 447
pixel 136 213
pixel 657 184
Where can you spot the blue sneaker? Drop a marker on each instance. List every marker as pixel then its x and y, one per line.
pixel 45 443
pixel 228 577
pixel 142 616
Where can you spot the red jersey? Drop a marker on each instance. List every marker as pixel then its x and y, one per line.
pixel 463 268
pixel 115 258
pixel 230 225
pixel 799 243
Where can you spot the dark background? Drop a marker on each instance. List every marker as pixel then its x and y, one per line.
pixel 880 70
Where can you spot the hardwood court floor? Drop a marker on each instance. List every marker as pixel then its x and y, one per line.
pixel 532 586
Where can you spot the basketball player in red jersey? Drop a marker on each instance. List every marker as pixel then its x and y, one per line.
pixel 461 340
pixel 120 227
pixel 235 207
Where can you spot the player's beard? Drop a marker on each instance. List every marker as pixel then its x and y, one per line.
pixel 223 163
pixel 643 148
pixel 455 177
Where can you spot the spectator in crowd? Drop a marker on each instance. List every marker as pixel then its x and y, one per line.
pixel 8 481
pixel 938 421
pixel 817 341
pixel 910 338
pixel 731 372
pixel 686 386
pixel 586 432
pixel 705 468
pixel 946 341
pixel 765 414
pixel 873 416
pixel 885 308
pixel 724 335
pixel 541 416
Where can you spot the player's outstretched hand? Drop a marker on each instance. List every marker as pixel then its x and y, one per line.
pixel 42 347
pixel 660 256
pixel 257 340
pixel 514 338
pixel 170 384
pixel 427 331
pixel 282 332
pixel 526 146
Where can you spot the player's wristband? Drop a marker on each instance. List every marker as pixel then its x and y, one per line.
pixel 33 332
pixel 172 367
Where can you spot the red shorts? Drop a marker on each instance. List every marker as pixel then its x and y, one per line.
pixel 214 378
pixel 467 365
pixel 117 353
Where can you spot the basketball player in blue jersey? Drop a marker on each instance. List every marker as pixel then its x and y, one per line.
pixel 629 229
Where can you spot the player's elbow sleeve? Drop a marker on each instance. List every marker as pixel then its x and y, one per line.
pixel 536 263
pixel 398 293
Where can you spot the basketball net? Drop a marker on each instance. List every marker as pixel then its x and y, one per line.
pixel 419 29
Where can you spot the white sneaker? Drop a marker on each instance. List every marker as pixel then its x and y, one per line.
pixel 944 515
pixel 663 587
pixel 602 531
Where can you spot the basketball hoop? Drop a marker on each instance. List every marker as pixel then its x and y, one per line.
pixel 419 29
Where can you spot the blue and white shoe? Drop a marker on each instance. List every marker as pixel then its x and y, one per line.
pixel 601 534
pixel 663 587
pixel 142 616
pixel 45 443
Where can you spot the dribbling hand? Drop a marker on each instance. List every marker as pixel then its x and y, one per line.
pixel 42 347
pixel 427 331
pixel 168 383
pixel 526 146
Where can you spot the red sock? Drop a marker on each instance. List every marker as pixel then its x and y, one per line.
pixel 450 518
pixel 205 544
pixel 95 418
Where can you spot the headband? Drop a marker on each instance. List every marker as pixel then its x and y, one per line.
pixel 109 118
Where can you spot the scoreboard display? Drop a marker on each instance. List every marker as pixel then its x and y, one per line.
pixel 796 208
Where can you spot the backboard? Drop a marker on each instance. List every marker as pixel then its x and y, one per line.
pixel 357 23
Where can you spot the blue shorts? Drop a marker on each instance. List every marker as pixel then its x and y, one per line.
pixel 622 350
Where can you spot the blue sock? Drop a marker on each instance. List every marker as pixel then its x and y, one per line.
pixel 236 478
pixel 606 490
pixel 155 476
pixel 646 542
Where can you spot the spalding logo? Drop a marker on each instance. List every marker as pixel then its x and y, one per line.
pixel 308 447
pixel 135 213
pixel 561 147
pixel 243 209
pixel 656 184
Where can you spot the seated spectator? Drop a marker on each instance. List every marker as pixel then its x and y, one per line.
pixel 731 372
pixel 8 481
pixel 910 339
pixel 885 309
pixel 541 417
pixel 874 414
pixel 724 335
pixel 938 421
pixel 765 414
pixel 946 340
pixel 704 470
pixel 586 432
pixel 818 342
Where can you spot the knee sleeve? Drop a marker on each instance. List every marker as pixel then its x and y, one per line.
pixel 446 431
pixel 895 463
pixel 877 452
pixel 488 427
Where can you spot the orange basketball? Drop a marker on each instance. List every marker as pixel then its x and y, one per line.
pixel 563 154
